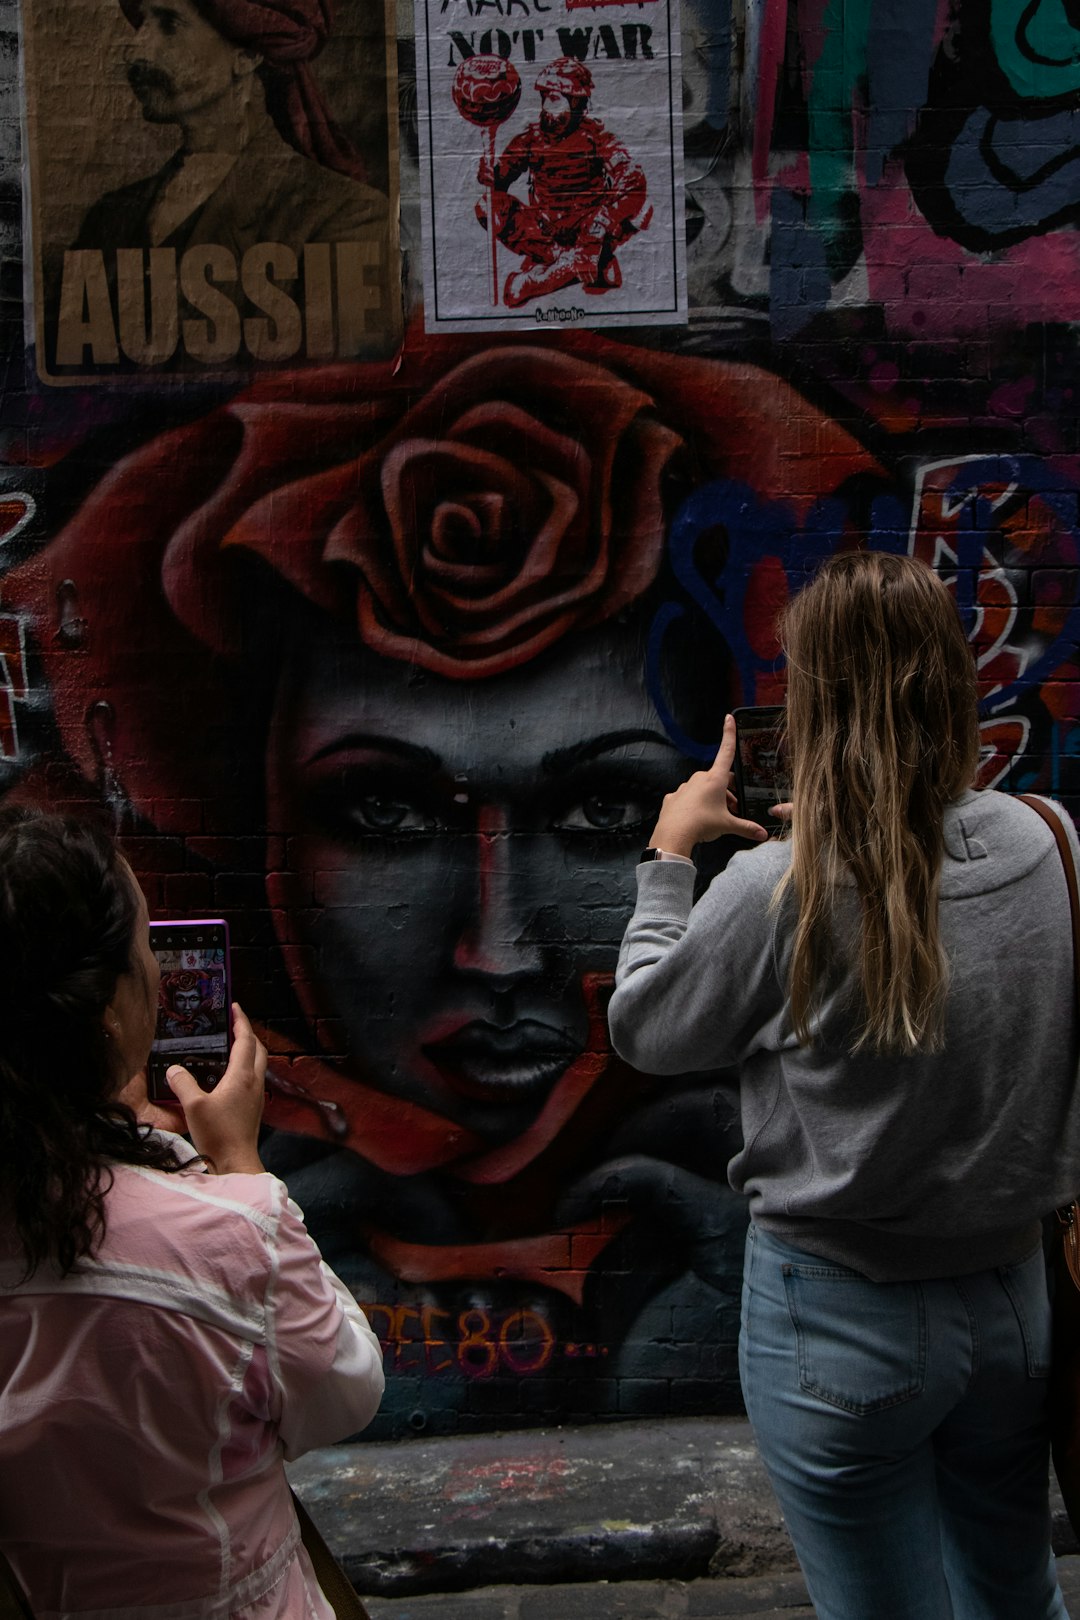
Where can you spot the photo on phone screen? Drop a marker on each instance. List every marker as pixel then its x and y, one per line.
pixel 194 1023
pixel 762 774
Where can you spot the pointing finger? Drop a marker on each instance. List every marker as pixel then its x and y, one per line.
pixel 721 765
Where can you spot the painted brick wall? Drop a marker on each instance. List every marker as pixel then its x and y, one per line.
pixel 390 662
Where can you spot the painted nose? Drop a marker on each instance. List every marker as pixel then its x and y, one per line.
pixel 493 942
pixel 141 50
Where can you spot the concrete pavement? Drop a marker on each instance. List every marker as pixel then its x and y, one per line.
pixel 762 1597
pixel 666 1519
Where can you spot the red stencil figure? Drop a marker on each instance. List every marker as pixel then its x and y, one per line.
pixel 586 194
pixel 486 90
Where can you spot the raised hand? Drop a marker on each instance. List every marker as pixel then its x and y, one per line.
pixel 704 807
pixel 224 1123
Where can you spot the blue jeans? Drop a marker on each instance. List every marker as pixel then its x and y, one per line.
pixel 903 1426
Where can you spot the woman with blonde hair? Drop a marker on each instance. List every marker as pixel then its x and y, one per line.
pixel 894 983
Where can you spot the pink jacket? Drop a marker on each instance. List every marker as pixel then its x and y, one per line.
pixel 147 1402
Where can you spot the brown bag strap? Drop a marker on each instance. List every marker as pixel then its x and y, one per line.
pixel 1056 826
pixel 337 1588
pixel 1069 1216
pixel 13 1601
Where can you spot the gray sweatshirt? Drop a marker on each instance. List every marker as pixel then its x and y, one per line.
pixel 900 1167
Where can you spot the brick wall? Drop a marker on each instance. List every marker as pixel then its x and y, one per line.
pixel 390 662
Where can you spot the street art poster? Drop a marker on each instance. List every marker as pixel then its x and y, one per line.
pixel 550 163
pixel 204 195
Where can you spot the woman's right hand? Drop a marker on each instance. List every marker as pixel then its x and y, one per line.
pixel 224 1123
pixel 704 806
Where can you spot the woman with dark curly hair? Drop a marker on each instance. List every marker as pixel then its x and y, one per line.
pixel 168 1331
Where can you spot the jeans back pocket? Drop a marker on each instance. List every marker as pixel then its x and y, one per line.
pixel 1025 1285
pixel 861 1344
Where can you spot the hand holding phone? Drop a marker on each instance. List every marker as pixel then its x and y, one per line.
pixel 704 807
pixel 762 772
pixel 223 1123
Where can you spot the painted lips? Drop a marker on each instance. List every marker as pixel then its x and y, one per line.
pixel 485 1061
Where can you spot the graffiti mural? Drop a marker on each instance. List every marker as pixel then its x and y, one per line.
pixel 388 651
pixel 412 619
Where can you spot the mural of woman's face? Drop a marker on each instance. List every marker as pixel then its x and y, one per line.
pixel 469 852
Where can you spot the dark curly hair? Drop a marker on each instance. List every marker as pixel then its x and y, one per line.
pixel 68 913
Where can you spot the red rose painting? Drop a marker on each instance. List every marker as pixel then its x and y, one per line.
pixel 519 499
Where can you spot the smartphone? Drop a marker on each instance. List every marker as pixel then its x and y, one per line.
pixel 762 774
pixel 194 1015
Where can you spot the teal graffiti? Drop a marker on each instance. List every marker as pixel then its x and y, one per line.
pixel 839 76
pixel 1037 47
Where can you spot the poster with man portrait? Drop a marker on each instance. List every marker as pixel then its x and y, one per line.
pixel 550 163
pixel 212 184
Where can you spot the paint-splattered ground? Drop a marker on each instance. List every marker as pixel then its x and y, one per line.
pixel 653 1520
pixel 675 1499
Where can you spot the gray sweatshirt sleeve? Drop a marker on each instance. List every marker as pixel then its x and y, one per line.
pixel 697 986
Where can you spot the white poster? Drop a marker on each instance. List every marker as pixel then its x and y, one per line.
pixel 550 163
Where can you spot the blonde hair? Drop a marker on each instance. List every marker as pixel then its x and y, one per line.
pixel 882 732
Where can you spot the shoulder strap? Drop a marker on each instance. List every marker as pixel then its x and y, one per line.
pixel 1054 822
pixel 337 1588
pixel 13 1600
pixel 1068 1216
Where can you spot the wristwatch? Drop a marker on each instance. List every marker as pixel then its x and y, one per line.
pixel 663 855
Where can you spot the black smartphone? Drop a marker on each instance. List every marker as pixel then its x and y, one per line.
pixel 762 775
pixel 194 1016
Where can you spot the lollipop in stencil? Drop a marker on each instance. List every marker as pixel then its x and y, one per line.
pixel 486 91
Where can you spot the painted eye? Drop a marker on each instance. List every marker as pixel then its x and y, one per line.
pixel 603 813
pixel 375 814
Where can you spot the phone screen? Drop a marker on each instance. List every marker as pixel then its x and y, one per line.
pixel 194 1024
pixel 762 774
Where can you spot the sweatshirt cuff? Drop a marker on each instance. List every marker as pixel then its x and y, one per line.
pixel 667 887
